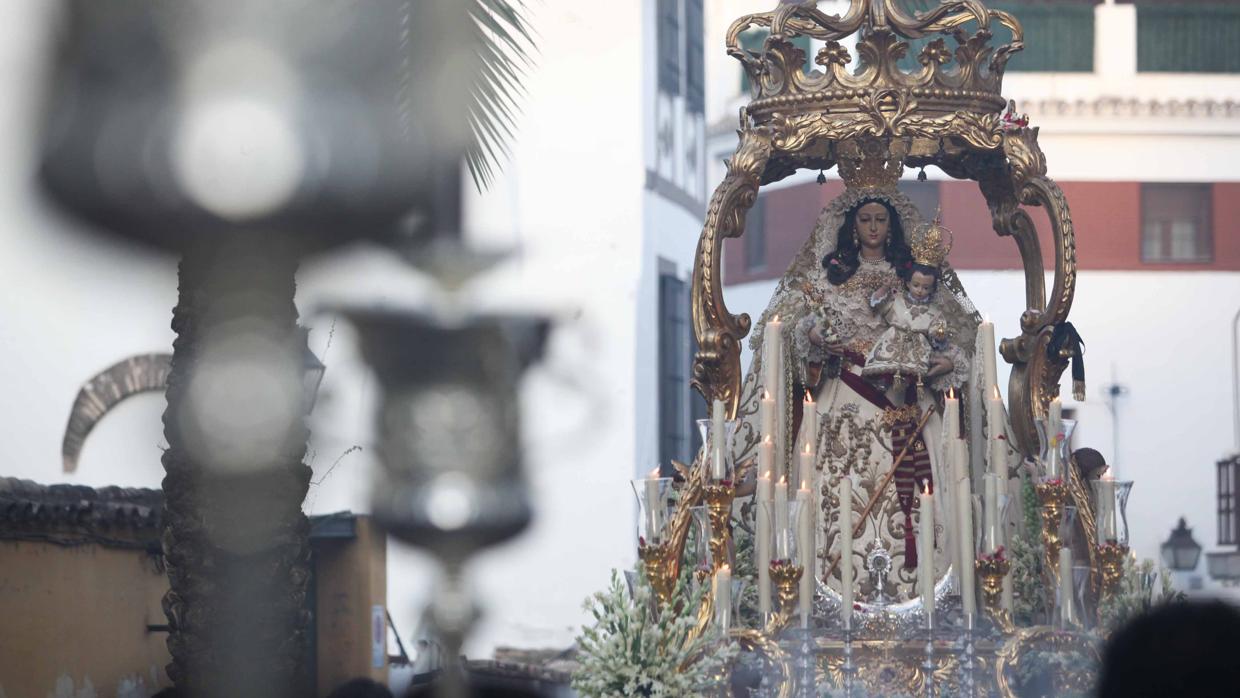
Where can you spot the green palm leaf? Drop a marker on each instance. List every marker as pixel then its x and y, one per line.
pixel 505 45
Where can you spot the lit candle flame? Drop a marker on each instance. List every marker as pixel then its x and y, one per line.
pixel 1107 475
pixel 994 392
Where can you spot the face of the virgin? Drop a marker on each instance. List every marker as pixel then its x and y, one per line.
pixel 873 222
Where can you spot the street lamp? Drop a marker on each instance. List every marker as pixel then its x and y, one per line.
pixel 1181 553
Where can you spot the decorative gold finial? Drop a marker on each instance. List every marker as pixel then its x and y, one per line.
pixel 933 245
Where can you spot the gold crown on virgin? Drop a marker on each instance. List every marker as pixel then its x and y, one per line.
pixel 932 246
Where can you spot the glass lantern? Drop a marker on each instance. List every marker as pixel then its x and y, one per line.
pixel 1054 449
pixel 1111 510
pixel 703 560
pixel 653 513
pixel 725 470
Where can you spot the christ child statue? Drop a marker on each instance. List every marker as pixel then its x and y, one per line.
pixel 916 328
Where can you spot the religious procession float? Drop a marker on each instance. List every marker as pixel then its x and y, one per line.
pixel 870 514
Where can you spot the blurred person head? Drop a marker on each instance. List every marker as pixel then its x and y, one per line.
pixel 1090 462
pixel 1178 649
pixel 360 688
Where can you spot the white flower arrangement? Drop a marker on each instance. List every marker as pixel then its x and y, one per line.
pixel 632 650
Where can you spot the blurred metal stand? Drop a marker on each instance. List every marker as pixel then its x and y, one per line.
pixel 448 425
pixel 243 135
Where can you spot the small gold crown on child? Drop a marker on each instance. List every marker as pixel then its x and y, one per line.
pixel 932 246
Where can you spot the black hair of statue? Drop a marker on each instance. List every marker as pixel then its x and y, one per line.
pixel 845 260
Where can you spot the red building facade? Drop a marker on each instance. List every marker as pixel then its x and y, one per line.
pixel 1120 226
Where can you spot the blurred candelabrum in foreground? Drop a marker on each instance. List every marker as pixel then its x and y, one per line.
pixel 243 135
pixel 451 480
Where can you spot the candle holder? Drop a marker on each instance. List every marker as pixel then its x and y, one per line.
pixel 991 569
pixel 703 557
pixel 1111 558
pixel 719 496
pixel 787 578
pixel 1054 450
pixel 786 565
pixel 660 570
pixel 1053 495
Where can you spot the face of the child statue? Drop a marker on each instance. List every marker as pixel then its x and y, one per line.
pixel 920 285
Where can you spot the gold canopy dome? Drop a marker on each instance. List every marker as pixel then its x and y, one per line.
pixel 967 77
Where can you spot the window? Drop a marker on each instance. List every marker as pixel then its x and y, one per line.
pixel 695 57
pixel 1199 37
pixel 675 427
pixel 1175 223
pixel 1059 35
pixel 755 236
pixel 669 46
pixel 1227 475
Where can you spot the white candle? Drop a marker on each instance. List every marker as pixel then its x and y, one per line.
pixel 998 446
pixel 773 382
pixel 1065 585
pixel 762 547
pixel 773 356
pixel 805 530
pixel 809 421
pixel 781 520
pixel 767 413
pixel 990 371
pixel 958 455
pixel 991 512
pixel 723 598
pixel 654 520
pixel 951 417
pixel 1054 427
pixel 717 446
pixel 1105 509
pixel 846 551
pixel 925 561
pixel 805 469
pixel 960 459
pixel 964 522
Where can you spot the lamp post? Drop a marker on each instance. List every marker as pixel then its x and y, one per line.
pixel 1180 553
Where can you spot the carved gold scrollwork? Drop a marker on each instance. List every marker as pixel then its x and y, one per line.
pixel 717 365
pixel 1025 644
pixel 1035 377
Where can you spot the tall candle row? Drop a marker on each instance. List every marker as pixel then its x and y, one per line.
pixel 995 481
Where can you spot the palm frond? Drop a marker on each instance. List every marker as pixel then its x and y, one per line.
pixel 505 45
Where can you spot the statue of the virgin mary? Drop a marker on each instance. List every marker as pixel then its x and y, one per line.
pixel 881 431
